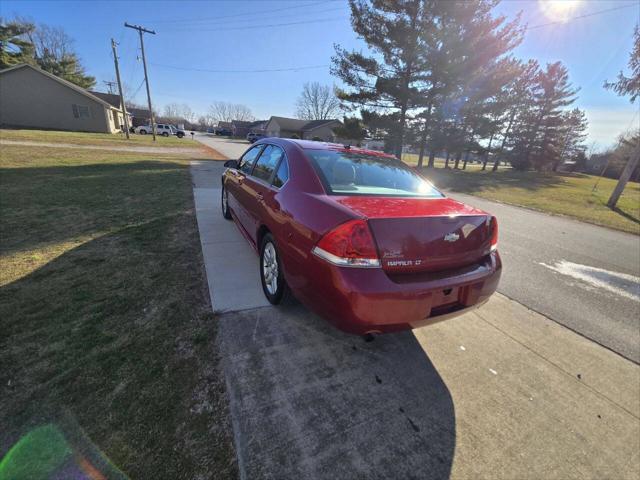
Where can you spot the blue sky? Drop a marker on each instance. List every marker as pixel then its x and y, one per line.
pixel 236 35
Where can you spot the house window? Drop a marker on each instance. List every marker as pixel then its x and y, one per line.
pixel 80 111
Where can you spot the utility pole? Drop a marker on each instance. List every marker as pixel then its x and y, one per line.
pixel 124 108
pixel 109 85
pixel 624 177
pixel 142 30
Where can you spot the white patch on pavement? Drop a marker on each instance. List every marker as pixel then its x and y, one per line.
pixel 621 284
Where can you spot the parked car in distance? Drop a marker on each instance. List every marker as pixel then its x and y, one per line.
pixel 161 129
pixel 358 236
pixel 224 132
pixel 254 137
pixel 178 132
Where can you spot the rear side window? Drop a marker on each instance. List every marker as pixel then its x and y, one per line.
pixel 345 173
pixel 267 162
pixel 282 175
pixel 247 160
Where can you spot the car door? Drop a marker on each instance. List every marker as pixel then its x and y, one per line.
pixel 237 194
pixel 258 187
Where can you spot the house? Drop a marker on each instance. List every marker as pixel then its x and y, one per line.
pixel 139 116
pixel 242 128
pixel 321 130
pixel 33 98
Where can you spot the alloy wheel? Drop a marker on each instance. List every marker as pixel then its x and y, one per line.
pixel 270 268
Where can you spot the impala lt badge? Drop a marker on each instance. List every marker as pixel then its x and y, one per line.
pixel 451 237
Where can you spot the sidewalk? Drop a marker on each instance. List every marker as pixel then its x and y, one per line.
pixel 502 392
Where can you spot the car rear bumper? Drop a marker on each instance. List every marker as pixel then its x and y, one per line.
pixel 361 300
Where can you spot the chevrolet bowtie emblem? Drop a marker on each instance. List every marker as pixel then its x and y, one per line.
pixel 451 237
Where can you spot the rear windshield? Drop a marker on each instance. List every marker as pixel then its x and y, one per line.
pixel 346 173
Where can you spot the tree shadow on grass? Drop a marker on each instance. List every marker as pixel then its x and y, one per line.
pixel 118 332
pixel 626 215
pixel 473 181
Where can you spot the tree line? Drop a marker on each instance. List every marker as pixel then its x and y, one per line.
pixel 441 77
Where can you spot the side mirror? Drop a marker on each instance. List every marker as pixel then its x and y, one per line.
pixel 231 164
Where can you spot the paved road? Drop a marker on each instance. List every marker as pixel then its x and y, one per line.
pixel 229 148
pixel 582 276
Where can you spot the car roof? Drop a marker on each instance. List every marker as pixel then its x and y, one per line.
pixel 313 145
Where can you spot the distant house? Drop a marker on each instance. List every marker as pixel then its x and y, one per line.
pixel 242 128
pixel 139 116
pixel 283 127
pixel 33 98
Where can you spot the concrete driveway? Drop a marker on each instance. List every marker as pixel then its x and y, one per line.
pixel 502 392
pixel 230 148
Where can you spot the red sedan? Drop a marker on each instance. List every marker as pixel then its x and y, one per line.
pixel 358 236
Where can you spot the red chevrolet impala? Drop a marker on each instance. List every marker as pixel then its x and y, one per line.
pixel 358 236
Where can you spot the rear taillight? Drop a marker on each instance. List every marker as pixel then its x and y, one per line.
pixel 494 233
pixel 350 245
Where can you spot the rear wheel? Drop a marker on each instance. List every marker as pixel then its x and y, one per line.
pixel 273 283
pixel 143 132
pixel 180 134
pixel 225 204
pixel 165 134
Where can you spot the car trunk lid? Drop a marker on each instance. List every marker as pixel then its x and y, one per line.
pixel 424 234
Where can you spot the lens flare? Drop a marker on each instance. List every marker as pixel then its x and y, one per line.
pixel 559 10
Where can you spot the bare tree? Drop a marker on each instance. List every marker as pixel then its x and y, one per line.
pixel 227 112
pixel 317 102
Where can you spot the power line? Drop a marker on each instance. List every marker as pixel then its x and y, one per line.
pixel 263 70
pixel 208 23
pixel 253 27
pixel 582 16
pixel 244 14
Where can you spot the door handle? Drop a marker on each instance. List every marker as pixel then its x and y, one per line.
pixel 240 179
pixel 260 197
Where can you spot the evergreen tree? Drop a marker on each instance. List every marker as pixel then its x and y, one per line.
pixel 629 85
pixel 465 44
pixel 351 129
pixel 542 125
pixel 14 49
pixel 387 77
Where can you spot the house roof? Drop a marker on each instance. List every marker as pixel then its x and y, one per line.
pixel 61 81
pixel 296 124
pixel 110 98
pixel 313 124
pixel 139 112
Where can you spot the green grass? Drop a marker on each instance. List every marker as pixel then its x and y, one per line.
pixel 80 138
pixel 104 311
pixel 565 194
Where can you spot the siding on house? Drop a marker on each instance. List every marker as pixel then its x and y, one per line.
pixel 32 98
pixel 304 129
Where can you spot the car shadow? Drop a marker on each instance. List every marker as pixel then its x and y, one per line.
pixel 309 401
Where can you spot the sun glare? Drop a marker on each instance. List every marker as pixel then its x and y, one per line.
pixel 559 10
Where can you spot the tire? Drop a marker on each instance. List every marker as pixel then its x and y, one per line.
pixel 143 132
pixel 224 201
pixel 179 134
pixel 165 134
pixel 273 284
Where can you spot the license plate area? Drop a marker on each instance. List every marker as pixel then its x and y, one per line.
pixel 445 297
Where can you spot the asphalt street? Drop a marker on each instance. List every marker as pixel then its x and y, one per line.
pixel 582 276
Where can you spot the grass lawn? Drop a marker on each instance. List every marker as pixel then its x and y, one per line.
pixel 80 138
pixel 104 310
pixel 566 194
